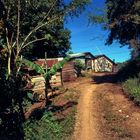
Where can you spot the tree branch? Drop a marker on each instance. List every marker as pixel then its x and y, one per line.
pixel 38 26
pixel 39 39
pixel 35 29
pixel 49 11
pixel 18 23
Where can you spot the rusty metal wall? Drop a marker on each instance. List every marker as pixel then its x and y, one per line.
pixel 68 72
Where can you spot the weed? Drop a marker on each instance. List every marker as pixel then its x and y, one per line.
pixel 121 132
pixel 113 121
pixel 49 126
pixel 72 94
pixel 132 89
pixel 44 129
pixel 68 124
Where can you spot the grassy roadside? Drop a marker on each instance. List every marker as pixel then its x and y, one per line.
pixel 57 123
pixel 132 88
pixel 129 76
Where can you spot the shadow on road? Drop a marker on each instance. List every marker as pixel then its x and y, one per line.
pixel 104 78
pixel 60 108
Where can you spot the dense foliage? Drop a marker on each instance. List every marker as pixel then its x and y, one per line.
pixel 132 88
pixel 79 66
pixel 122 19
pixel 57 38
pixel 24 26
pixel 48 128
pixel 129 76
pixel 124 23
pixel 52 38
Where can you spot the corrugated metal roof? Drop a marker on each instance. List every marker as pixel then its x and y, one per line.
pixel 102 55
pixel 78 55
pixel 50 62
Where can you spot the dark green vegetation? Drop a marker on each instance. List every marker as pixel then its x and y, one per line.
pixel 132 89
pixel 26 27
pixel 57 122
pixel 79 66
pixel 124 23
pixel 129 76
pixel 122 19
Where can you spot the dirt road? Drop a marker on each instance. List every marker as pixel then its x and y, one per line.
pixel 103 111
pixel 85 119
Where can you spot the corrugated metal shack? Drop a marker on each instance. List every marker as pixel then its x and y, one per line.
pixel 67 73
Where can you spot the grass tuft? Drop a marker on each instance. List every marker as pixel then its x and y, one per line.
pixel 132 89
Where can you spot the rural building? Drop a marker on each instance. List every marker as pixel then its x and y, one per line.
pixel 85 57
pixel 101 63
pixel 67 73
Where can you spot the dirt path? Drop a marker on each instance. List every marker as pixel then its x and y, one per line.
pixel 86 127
pixel 104 113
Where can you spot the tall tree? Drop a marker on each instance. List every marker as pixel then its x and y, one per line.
pixel 122 19
pixel 57 41
pixel 22 24
pixel 37 21
pixel 124 23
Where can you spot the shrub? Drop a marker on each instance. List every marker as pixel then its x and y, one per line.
pixel 79 66
pixel 48 128
pixel 44 129
pixel 129 69
pixel 132 88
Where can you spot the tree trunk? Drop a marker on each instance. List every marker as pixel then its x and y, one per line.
pixel 9 62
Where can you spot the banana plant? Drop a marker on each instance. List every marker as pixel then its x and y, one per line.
pixel 47 75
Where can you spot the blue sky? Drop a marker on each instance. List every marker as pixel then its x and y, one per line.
pixel 91 38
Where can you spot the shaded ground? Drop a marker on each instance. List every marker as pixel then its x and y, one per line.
pixel 103 110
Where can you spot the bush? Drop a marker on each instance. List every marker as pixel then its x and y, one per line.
pixel 11 109
pixel 132 88
pixel 129 69
pixel 47 128
pixel 44 129
pixel 79 66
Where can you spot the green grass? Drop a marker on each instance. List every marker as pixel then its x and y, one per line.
pixel 53 126
pixel 44 129
pixel 132 89
pixel 68 125
pixel 47 128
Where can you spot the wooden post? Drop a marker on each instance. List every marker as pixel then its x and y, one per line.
pixel 46 79
pixel 46 62
pixel 61 76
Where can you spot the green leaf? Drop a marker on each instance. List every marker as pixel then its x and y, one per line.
pixel 57 66
pixel 33 66
pixel 30 95
pixel 48 36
